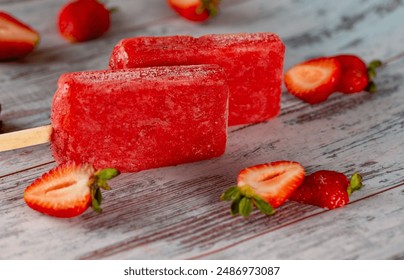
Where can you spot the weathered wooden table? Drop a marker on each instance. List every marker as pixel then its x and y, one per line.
pixel 175 212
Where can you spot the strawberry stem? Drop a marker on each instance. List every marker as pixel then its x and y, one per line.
pixel 99 182
pixel 243 199
pixel 355 183
pixel 113 10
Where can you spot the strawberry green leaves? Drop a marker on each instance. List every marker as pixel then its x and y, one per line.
pixel 210 6
pixel 243 199
pixel 355 183
pixel 264 206
pixel 371 87
pixel 264 186
pixel 100 181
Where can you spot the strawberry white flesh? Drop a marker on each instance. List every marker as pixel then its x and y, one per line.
pixel 274 182
pixel 313 81
pixel 62 192
pixel 183 4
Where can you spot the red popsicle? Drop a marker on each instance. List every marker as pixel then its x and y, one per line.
pixel 137 119
pixel 253 64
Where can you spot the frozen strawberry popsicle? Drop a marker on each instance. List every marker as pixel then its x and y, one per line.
pixel 143 118
pixel 253 64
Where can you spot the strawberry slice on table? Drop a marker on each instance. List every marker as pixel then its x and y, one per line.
pixel 265 186
pixel 195 10
pixel 83 20
pixel 314 80
pixel 356 75
pixel 327 189
pixel 16 38
pixel 68 190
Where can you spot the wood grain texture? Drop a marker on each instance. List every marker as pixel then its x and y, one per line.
pixel 175 212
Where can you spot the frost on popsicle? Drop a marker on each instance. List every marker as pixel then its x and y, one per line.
pixel 142 118
pixel 252 62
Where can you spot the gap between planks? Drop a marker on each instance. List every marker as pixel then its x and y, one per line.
pixel 26 169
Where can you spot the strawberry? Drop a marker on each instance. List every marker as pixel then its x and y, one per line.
pixel 314 80
pixel 327 189
pixel 68 190
pixel 16 38
pixel 83 20
pixel 267 186
pixel 195 10
pixel 356 75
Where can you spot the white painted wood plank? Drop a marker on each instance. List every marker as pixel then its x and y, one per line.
pixel 357 231
pixel 176 209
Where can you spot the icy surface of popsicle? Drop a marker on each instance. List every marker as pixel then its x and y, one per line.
pixel 252 62
pixel 154 51
pixel 137 119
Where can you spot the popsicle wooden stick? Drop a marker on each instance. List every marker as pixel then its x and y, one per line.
pixel 25 138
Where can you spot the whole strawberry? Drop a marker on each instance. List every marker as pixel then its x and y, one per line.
pixel 16 38
pixel 195 10
pixel 356 75
pixel 327 189
pixel 83 20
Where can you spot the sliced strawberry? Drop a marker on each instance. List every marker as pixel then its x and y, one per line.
pixel 327 189
pixel 266 186
pixel 16 38
pixel 356 75
pixel 314 80
pixel 68 190
pixel 195 10
pixel 83 20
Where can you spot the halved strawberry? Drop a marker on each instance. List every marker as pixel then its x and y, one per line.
pixel 356 75
pixel 68 190
pixel 195 10
pixel 266 186
pixel 314 80
pixel 16 38
pixel 327 189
